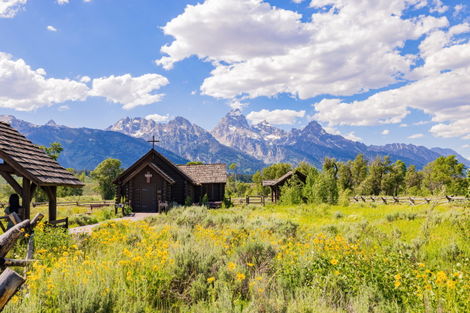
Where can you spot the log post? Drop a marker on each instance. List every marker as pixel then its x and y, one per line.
pixel 36 219
pixel 52 196
pixel 8 239
pixel 26 198
pixel 10 282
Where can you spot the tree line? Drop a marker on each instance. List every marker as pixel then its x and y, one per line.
pixel 444 175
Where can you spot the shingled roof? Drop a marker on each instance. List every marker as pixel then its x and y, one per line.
pixel 28 160
pixel 283 178
pixel 206 173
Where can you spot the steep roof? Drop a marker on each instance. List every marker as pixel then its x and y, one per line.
pixel 137 166
pixel 28 160
pixel 206 173
pixel 281 180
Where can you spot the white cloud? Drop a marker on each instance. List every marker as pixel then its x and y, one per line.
pixel 421 123
pixel 9 8
pixel 62 1
pixel 85 79
pixel 403 125
pixel 130 91
pixel 236 104
pixel 466 146
pixel 352 136
pixel 458 9
pixel 24 89
pixel 386 132
pixel 63 108
pixel 254 29
pixel 439 7
pixel 270 50
pixel 275 117
pixel 441 96
pixel 415 136
pixel 51 28
pixel 158 118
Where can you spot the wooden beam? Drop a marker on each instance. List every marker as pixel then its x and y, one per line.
pixel 10 283
pixel 6 168
pixel 12 182
pixel 26 198
pixel 51 192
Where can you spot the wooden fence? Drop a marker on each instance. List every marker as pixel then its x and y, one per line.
pixel 261 200
pixel 11 281
pixel 407 200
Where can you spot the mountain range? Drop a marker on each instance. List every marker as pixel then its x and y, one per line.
pixel 270 144
pixel 233 140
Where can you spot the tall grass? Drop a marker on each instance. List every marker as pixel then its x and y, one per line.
pixel 274 259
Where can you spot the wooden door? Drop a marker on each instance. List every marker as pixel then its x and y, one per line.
pixel 145 191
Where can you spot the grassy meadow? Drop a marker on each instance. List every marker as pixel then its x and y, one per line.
pixel 308 258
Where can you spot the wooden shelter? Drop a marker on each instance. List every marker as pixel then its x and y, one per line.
pixel 154 182
pixel 24 159
pixel 276 184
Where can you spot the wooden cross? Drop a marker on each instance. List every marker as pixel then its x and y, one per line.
pixel 153 141
pixel 148 176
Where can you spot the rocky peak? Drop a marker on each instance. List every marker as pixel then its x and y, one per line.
pixel 51 123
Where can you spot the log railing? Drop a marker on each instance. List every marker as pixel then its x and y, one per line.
pixel 408 200
pixel 11 281
pixel 262 200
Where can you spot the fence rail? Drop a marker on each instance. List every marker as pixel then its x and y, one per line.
pixel 408 200
pixel 262 200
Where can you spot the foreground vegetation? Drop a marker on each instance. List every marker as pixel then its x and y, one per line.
pixel 303 258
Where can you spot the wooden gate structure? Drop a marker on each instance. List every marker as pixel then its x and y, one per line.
pixel 23 159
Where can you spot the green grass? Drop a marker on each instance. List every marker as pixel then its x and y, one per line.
pixel 308 258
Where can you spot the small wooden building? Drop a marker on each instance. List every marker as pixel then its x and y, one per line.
pixel 276 184
pixel 21 158
pixel 154 182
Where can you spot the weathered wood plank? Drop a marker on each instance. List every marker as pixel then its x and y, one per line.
pixel 9 238
pixel 10 283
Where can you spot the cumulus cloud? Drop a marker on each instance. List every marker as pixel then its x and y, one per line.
pixel 342 51
pixel 24 89
pixel 51 28
pixel 441 96
pixel 385 132
pixel 130 91
pixel 9 8
pixel 275 117
pixel 237 104
pixel 158 118
pixel 415 136
pixel 345 48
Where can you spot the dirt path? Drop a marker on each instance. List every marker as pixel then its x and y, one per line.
pixel 89 228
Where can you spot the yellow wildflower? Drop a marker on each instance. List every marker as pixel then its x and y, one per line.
pixel 450 284
pixel 397 284
pixel 334 261
pixel 231 266
pixel 240 276
pixel 250 264
pixel 397 276
pixel 210 279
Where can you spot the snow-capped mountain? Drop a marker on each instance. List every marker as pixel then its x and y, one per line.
pixel 187 140
pixel 265 143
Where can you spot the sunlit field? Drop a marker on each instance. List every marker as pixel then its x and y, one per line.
pixel 310 258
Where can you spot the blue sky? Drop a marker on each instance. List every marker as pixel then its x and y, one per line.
pixel 378 71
